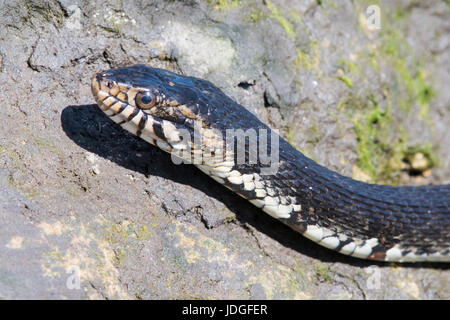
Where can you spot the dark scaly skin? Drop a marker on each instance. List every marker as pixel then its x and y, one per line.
pixel 415 218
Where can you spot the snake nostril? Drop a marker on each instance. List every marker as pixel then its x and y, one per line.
pixel 109 84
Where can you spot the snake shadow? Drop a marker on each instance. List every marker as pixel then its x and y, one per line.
pixel 92 130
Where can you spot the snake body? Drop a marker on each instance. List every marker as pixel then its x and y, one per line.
pixel 368 221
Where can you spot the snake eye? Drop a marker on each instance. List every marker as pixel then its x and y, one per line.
pixel 145 100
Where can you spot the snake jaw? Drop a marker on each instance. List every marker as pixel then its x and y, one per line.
pixel 95 88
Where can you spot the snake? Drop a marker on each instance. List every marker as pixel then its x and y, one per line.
pixel 197 123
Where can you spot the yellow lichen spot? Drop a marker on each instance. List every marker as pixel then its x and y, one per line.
pixel 143 234
pixel 419 162
pixel 410 287
pixel 56 228
pixel 360 175
pixel 15 242
pixel 159 45
pixel 302 296
pixel 91 254
pixel 156 44
pixel 198 248
pixel 223 4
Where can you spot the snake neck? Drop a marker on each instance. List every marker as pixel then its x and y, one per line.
pixel 368 221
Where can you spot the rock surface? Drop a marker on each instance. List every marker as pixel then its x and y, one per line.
pixel 89 211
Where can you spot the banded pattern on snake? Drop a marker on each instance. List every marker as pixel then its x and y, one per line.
pixel 368 221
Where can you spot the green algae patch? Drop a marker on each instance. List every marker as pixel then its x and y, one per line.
pixel 380 152
pixel 418 91
pixel 309 58
pixel 368 129
pixel 424 93
pixel 412 76
pixel 142 233
pixel 302 60
pixel 18 178
pixel 384 153
pixel 72 193
pixel 332 4
pixel 313 134
pixel 345 80
pixel 322 272
pixel 116 233
pixel 389 49
pixel 39 142
pixel 296 17
pixel 349 66
pixel 284 23
pixel 48 12
pixel 255 16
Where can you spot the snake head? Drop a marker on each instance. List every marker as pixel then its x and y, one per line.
pixel 154 91
pixel 167 109
pixel 155 104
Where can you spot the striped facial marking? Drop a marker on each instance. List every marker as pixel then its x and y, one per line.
pixel 117 101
